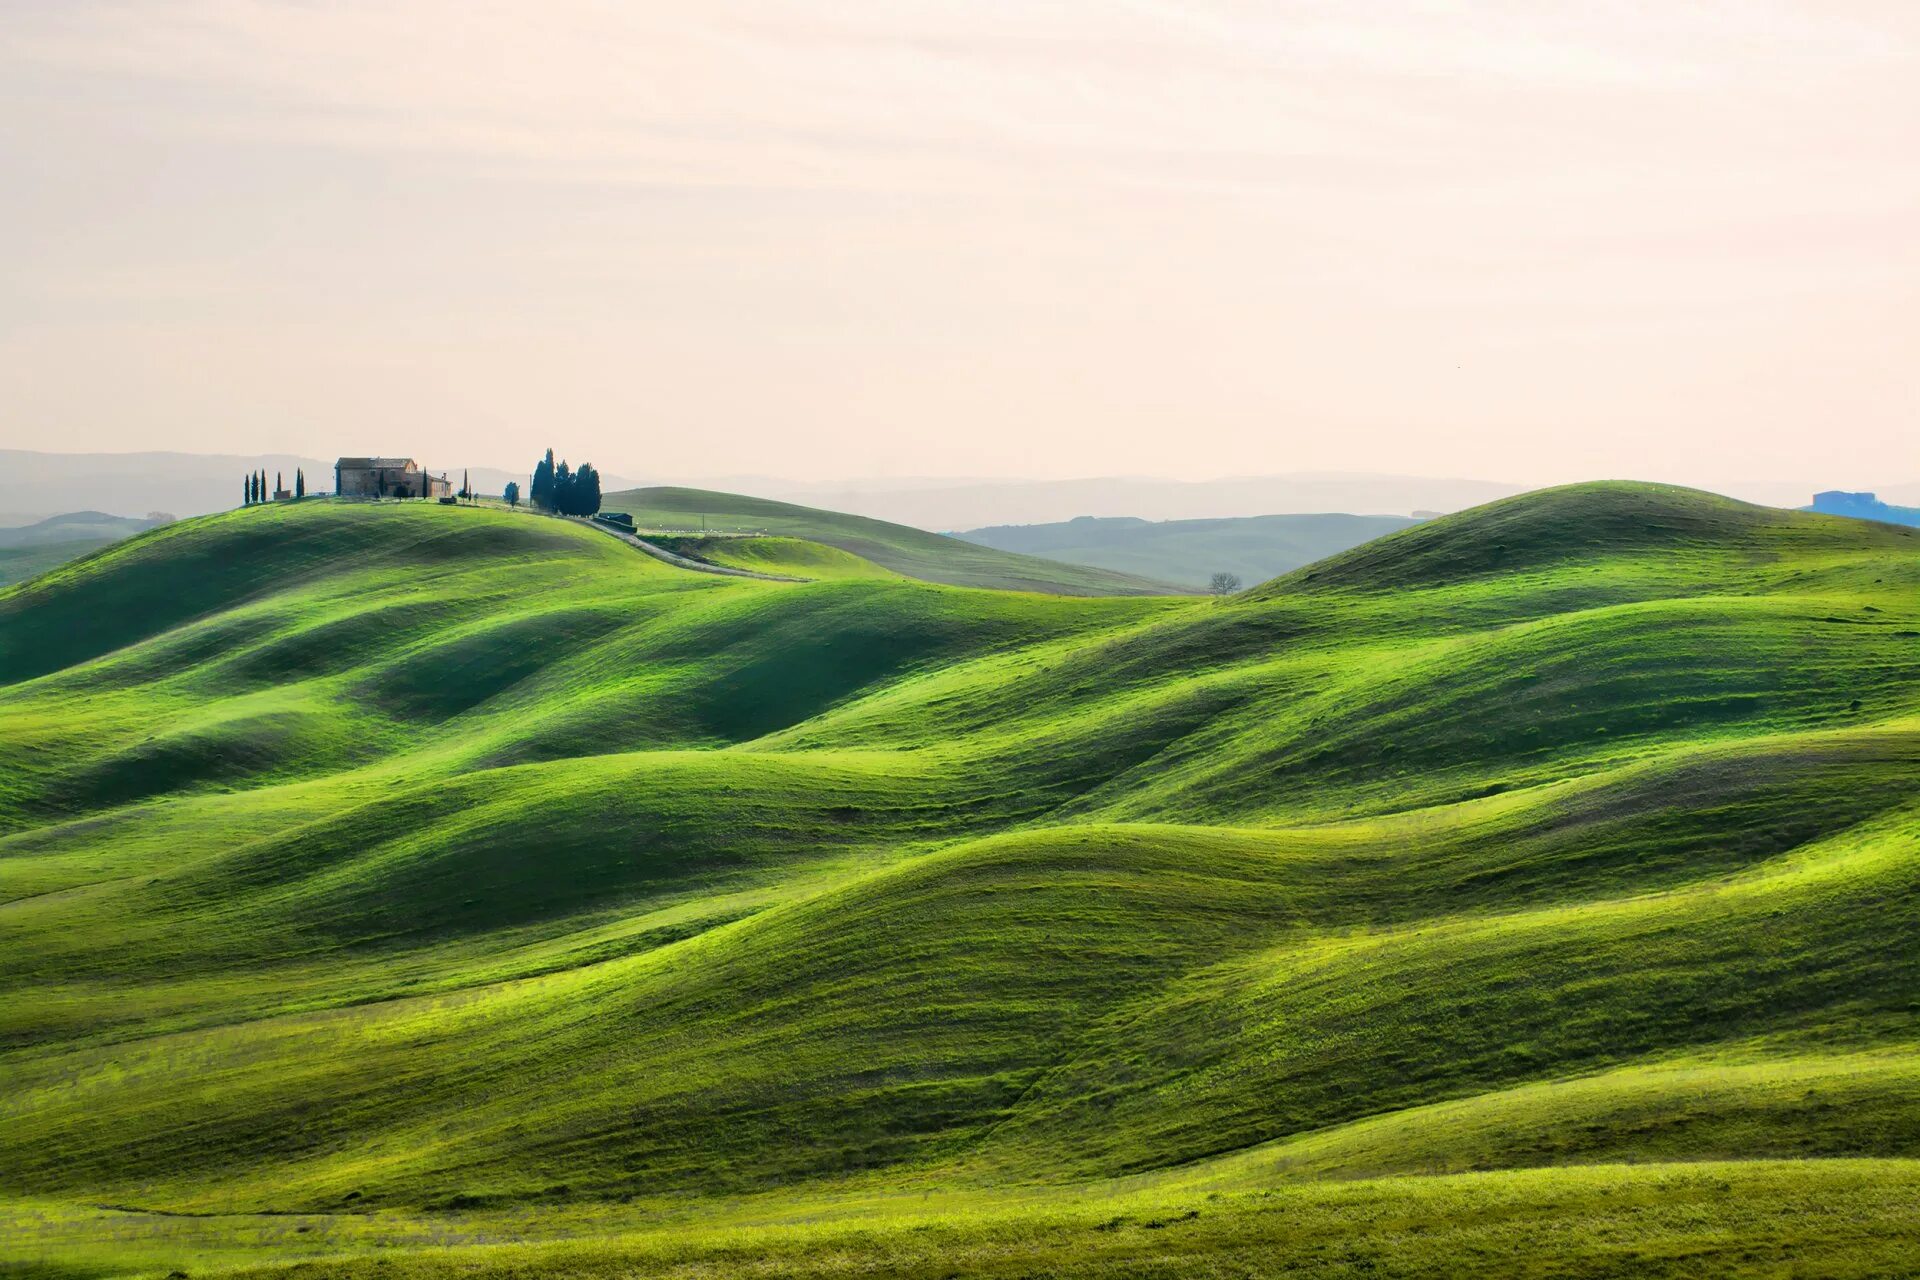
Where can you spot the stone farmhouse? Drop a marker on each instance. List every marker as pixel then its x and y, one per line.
pixel 387 478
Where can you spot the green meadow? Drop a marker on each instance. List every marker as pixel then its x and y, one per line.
pixel 395 890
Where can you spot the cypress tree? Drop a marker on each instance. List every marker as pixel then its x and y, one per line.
pixel 279 482
pixel 299 482
pixel 540 490
pixel 586 491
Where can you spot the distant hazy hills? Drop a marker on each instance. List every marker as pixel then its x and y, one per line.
pixel 1188 552
pixel 969 504
pixel 32 549
pixel 35 484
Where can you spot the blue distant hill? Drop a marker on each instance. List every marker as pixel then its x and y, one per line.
pixel 1862 506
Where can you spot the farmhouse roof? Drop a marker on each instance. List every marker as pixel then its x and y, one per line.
pixel 375 464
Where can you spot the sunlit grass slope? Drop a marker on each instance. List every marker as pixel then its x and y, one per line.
pixel 930 557
pixel 792 557
pixel 1531 892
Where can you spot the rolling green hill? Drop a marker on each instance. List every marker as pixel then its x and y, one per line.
pixel 1189 552
pixel 914 553
pixel 423 891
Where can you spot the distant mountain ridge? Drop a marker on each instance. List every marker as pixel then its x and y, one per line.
pixel 1189 552
pixel 977 504
pixel 78 525
pixel 932 503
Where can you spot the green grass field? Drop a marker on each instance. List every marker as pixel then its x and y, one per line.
pixel 397 890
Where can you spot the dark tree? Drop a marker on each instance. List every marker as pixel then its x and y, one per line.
pixel 540 491
pixel 279 482
pixel 466 485
pixel 585 494
pixel 1224 584
pixel 511 494
pixel 561 489
pixel 299 482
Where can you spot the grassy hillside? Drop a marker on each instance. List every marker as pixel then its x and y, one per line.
pixel 17 564
pixel 914 553
pixel 792 557
pixel 1189 552
pixel 439 891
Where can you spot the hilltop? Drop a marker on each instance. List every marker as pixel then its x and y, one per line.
pixel 1528 892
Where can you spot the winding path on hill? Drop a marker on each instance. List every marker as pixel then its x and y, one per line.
pixel 676 560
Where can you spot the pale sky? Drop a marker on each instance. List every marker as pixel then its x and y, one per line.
pixel 1524 240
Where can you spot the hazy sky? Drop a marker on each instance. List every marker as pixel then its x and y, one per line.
pixel 1517 239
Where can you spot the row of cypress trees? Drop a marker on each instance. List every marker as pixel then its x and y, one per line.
pixel 257 490
pixel 564 490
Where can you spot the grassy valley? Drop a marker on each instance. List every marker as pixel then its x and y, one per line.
pixel 401 890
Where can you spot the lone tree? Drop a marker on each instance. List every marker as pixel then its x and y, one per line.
pixel 466 486
pixel 511 494
pixel 279 483
pixel 1224 584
